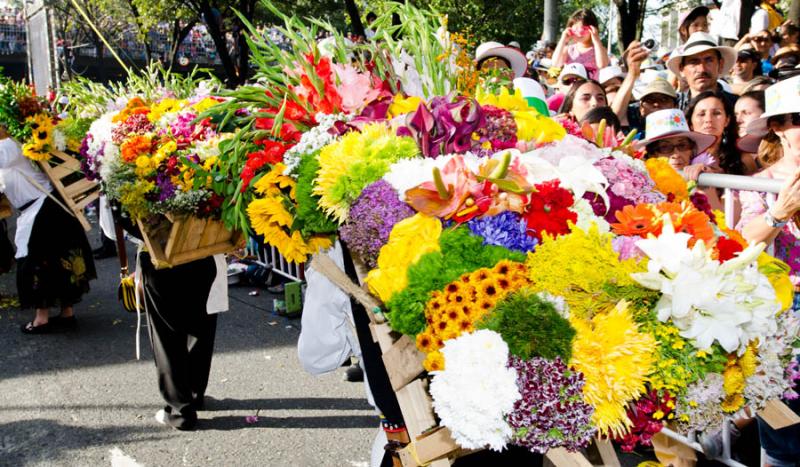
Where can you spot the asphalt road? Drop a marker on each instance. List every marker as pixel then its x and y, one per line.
pixel 82 399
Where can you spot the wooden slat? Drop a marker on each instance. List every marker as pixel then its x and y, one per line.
pixel 86 200
pixel 607 452
pixel 778 415
pixel 81 186
pixel 417 408
pixel 438 444
pixel 194 233
pixel 175 239
pixel 403 362
pixel 210 233
pixel 560 457
pixel 153 246
pixel 65 170
pixel 189 256
pixel 383 335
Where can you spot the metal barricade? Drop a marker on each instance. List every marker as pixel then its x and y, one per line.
pixel 268 256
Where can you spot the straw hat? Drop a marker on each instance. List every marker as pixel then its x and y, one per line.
pixel 513 56
pixel 672 122
pixel 782 97
pixel 700 42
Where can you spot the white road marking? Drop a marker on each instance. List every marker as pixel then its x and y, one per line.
pixel 119 459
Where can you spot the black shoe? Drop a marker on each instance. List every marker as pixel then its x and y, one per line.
pixel 354 374
pixel 103 252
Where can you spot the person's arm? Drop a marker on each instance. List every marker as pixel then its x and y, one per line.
pixel 560 54
pixel 744 40
pixel 787 204
pixel 600 52
pixel 635 55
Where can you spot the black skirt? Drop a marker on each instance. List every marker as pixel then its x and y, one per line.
pixel 59 264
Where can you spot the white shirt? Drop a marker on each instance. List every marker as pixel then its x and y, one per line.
pixel 726 24
pixel 759 21
pixel 15 174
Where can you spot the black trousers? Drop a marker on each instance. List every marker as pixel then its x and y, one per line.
pixel 181 333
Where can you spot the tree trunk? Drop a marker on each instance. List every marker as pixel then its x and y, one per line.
pixel 99 48
pixel 550 33
pixel 355 18
pixel 631 21
pixel 748 7
pixel 215 31
pixel 248 9
pixel 178 35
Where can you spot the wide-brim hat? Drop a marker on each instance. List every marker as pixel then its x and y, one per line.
pixel 781 98
pixel 669 123
pixel 533 93
pixel 515 57
pixel 700 42
pixel 658 86
pixel 608 73
pixel 749 143
pixel 694 12
pixel 792 49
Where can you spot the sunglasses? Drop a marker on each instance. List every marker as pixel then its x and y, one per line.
pixel 778 121
pixel 760 39
pixel 669 148
pixel 571 81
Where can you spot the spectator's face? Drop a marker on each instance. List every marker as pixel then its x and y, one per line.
pixel 699 24
pixel 746 110
pixel 679 150
pixel 653 102
pixel 567 81
pixel 579 31
pixel 762 42
pixel 702 70
pixel 743 69
pixel 787 127
pixel 548 52
pixel 787 39
pixel 709 117
pixel 587 97
pixel 612 86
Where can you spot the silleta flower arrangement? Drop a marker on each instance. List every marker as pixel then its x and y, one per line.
pixel 559 287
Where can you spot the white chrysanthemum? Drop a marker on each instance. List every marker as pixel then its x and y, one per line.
pixel 587 218
pixel 559 302
pixel 59 140
pixel 312 140
pixel 476 390
pixel 769 380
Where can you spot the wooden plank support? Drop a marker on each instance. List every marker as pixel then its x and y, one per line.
pixel 403 362
pixel 437 445
pixel 417 408
pixel 607 452
pixel 560 457
pixel 778 415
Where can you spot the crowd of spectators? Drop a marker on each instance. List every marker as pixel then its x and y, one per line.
pixel 12 31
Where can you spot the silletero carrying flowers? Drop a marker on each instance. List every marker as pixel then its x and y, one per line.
pixel 538 272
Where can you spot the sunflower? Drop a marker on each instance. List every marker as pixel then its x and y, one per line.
pixel 35 154
pixel 635 220
pixel 504 267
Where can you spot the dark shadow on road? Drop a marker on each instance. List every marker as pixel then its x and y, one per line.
pixel 228 423
pixel 48 441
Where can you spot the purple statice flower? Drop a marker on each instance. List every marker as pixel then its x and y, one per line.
pixel 507 229
pixel 137 124
pixel 166 189
pixel 551 412
pixel 793 377
pixel 371 219
pixel 88 164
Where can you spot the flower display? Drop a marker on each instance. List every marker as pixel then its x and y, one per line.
pixel 550 412
pixel 476 391
pixel 549 211
pixel 666 179
pixel 508 230
pixel 647 415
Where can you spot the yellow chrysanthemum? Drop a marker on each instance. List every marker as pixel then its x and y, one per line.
pixel 403 105
pixel 144 165
pixel 615 359
pixel 165 106
pixel 408 241
pixel 577 266
pixel 165 150
pixel 434 361
pixel 734 380
pixel 667 180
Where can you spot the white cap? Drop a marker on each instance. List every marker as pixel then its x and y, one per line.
pixel 574 69
pixel 513 56
pixel 609 73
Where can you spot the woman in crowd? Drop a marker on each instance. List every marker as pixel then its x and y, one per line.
pixel 749 107
pixel 693 21
pixel 54 259
pixel 764 220
pixel 580 43
pixel 581 98
pixel 710 114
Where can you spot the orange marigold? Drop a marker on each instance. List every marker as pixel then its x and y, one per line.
pixel 135 146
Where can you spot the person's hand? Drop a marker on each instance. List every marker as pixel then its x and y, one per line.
pixel 566 36
pixel 692 172
pixel 594 33
pixel 788 202
pixel 634 56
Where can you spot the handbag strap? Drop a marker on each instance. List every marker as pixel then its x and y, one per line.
pixel 121 251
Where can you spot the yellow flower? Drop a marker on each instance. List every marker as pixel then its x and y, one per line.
pixel 34 153
pixel 732 403
pixel 165 150
pixel 777 273
pixel 143 165
pixel 273 181
pixel 434 361
pixel 733 382
pixel 204 105
pixel 166 105
pixel 403 105
pixel 678 345
pixel 667 180
pixel 658 414
pixel 408 241
pixel 504 100
pixel 701 354
pixel 615 358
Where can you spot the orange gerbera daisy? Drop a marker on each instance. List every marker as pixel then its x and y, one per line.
pixel 635 220
pixel 696 224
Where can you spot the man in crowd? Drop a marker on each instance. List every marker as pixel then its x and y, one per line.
pixel 701 62
pixel 747 67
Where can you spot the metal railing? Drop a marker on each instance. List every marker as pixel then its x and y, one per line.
pixel 268 256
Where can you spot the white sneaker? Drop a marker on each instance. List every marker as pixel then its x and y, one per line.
pixel 161 417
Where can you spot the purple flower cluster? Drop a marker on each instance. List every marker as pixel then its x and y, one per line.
pixel 183 126
pixel 371 219
pixel 135 124
pixel 551 412
pixel 445 126
pixel 166 189
pixel 507 229
pixel 626 186
pixel 88 164
pixel 500 130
